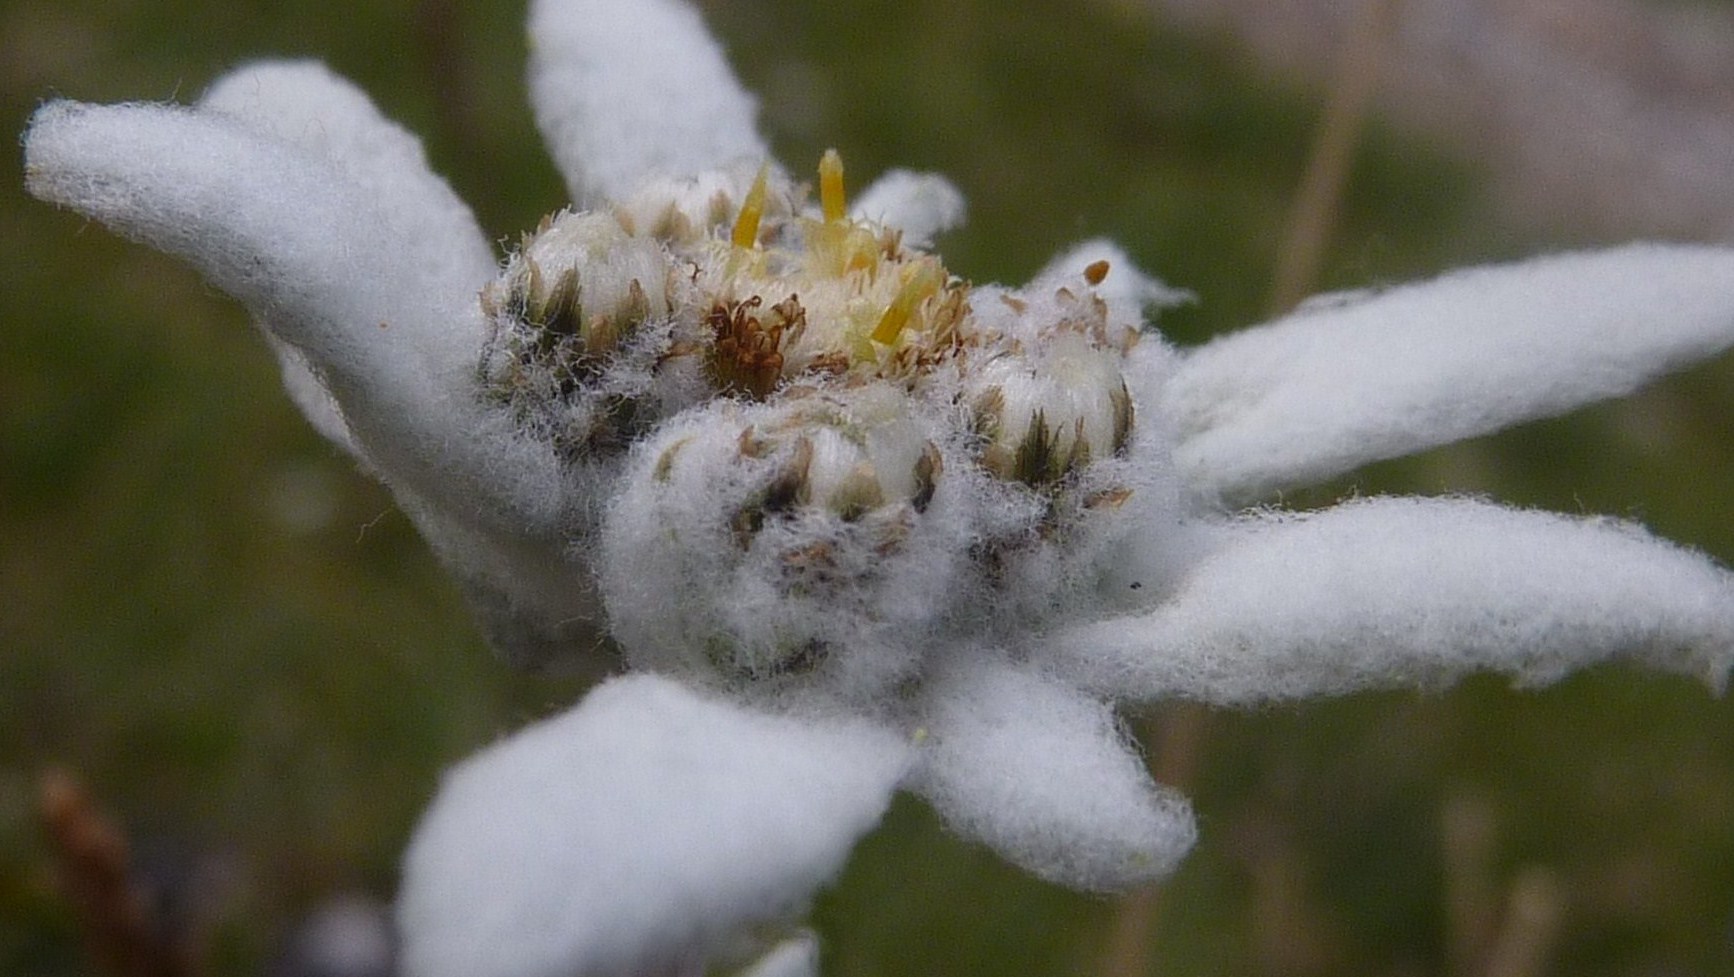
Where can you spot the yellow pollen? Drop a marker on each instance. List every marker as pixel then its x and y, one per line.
pixel 831 198
pixel 746 232
pixel 928 278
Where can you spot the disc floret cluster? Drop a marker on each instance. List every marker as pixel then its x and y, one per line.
pixel 834 453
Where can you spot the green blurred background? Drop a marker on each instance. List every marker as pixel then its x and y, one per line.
pixel 250 657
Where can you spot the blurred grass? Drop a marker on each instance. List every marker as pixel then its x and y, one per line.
pixel 249 654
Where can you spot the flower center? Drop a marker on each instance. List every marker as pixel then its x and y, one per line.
pixel 598 313
pixel 837 441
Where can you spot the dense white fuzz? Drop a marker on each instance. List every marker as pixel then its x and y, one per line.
pixel 1410 592
pixel 921 205
pixel 1351 379
pixel 1051 410
pixel 805 544
pixel 1045 775
pixel 1131 294
pixel 315 258
pixel 688 209
pixel 306 104
pixel 637 833
pixel 630 89
pixel 797 956
pixel 532 593
pixel 856 515
pixel 377 354
pixel 611 270
pixel 310 394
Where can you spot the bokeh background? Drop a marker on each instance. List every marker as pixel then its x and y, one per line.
pixel 244 650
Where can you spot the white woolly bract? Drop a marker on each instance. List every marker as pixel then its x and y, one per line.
pixel 796 461
pixel 1340 384
pixel 634 834
pixel 797 956
pixel 310 395
pixel 305 104
pixel 1044 775
pixel 921 205
pixel 297 232
pixel 625 90
pixel 1401 592
pixel 1131 293
pixel 534 596
pixel 312 255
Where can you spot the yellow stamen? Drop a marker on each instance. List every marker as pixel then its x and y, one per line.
pixel 928 278
pixel 746 232
pixel 831 198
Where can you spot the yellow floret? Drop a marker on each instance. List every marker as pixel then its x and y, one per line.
pixel 924 279
pixel 831 199
pixel 746 230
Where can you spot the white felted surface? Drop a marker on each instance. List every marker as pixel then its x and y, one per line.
pixel 278 227
pixel 310 394
pixel 533 596
pixel 1344 382
pixel 314 257
pixel 635 834
pixel 625 90
pixel 797 956
pixel 1411 592
pixel 306 104
pixel 1044 775
pixel 688 592
pixel 1129 290
pixel 855 556
pixel 380 356
pixel 921 205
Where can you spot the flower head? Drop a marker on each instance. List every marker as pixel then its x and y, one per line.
pixel 853 522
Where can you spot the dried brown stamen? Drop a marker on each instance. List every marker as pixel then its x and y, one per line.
pixel 747 350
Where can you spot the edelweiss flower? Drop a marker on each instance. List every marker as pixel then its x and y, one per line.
pixel 852 523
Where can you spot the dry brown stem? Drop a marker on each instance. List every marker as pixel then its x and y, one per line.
pixel 96 877
pixel 1493 936
pixel 1313 217
pixel 1181 731
pixel 1178 734
pixel 1468 832
pixel 1534 910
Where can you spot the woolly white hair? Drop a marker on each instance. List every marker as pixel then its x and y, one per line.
pixel 858 524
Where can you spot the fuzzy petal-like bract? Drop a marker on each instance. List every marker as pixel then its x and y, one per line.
pixel 1129 290
pixel 1402 592
pixel 326 232
pixel 627 90
pixel 636 833
pixel 1356 379
pixel 797 956
pixel 314 256
pixel 304 103
pixel 921 205
pixel 1045 776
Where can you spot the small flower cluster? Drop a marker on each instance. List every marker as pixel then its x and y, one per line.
pixel 830 431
